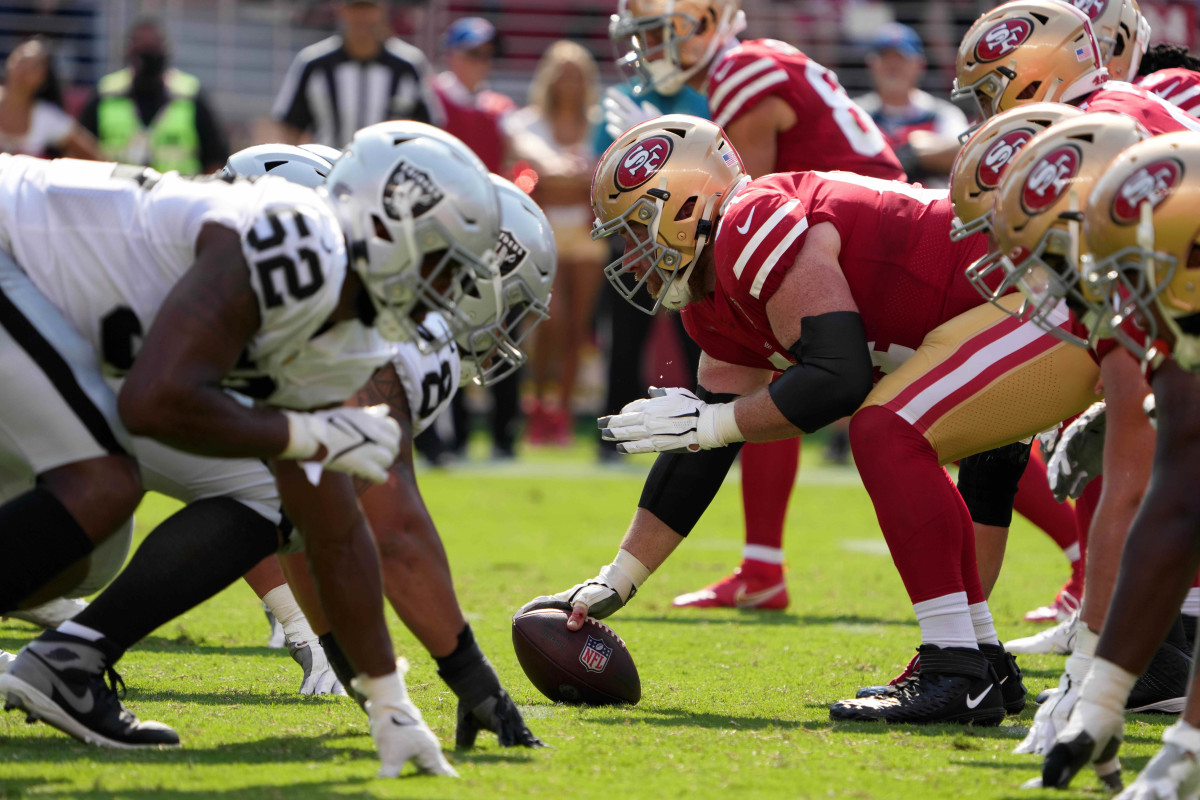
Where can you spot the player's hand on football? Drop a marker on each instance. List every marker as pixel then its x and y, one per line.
pixel 600 597
pixel 359 441
pixel 622 112
pixel 1173 773
pixel 670 421
pixel 1079 455
pixel 497 714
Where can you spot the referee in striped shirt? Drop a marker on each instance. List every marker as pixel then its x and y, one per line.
pixel 354 79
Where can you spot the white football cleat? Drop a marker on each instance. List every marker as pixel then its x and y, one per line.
pixel 1059 640
pixel 51 614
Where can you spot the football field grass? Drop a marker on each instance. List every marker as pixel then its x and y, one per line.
pixel 734 704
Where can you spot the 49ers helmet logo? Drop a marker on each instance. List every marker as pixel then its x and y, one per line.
pixel 1002 38
pixel 641 162
pixel 999 155
pixel 1093 8
pixel 1150 184
pixel 1049 179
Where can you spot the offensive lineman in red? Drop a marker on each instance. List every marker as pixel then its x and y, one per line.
pixel 859 276
pixel 783 112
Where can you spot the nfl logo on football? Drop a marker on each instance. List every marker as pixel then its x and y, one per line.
pixel 595 655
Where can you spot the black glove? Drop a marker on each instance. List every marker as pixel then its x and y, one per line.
pixel 497 714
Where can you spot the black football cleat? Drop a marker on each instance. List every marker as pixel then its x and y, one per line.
pixel 953 684
pixel 1162 688
pixel 59 679
pixel 1008 676
pixel 910 669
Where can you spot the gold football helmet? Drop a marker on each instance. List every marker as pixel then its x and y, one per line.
pixel 1024 52
pixel 661 44
pixel 661 186
pixel 1122 33
pixel 1039 208
pixel 978 168
pixel 1143 234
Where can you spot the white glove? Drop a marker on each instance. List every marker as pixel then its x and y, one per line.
pixel 359 441
pixel 1173 773
pixel 1052 715
pixel 1093 736
pixel 399 731
pixel 319 677
pixel 671 421
pixel 1079 454
pixel 603 595
pixel 622 112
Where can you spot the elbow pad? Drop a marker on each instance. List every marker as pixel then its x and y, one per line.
pixel 832 375
pixel 988 482
pixel 681 486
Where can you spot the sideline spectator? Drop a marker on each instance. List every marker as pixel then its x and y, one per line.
pixel 921 128
pixel 474 114
pixel 359 77
pixel 32 121
pixel 554 135
pixel 152 114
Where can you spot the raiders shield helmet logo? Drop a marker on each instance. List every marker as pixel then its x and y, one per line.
pixel 510 252
pixel 414 186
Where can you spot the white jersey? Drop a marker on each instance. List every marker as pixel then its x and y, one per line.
pixel 429 379
pixel 106 243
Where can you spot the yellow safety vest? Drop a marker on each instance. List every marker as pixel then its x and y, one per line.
pixel 170 143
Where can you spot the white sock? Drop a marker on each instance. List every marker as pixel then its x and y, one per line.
pixel 82 631
pixel 1191 603
pixel 981 620
pixel 760 552
pixel 1072 553
pixel 946 621
pixel 282 603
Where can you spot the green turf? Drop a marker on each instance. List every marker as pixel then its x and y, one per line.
pixel 734 704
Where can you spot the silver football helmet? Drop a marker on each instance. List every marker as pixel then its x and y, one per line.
pixel 422 220
pixel 296 164
pixel 527 260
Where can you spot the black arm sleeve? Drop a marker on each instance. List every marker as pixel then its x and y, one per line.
pixel 680 486
pixel 988 482
pixel 832 375
pixel 214 148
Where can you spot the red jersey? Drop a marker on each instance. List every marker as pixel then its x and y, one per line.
pixel 1157 115
pixel 474 118
pixel 831 131
pixel 1178 85
pixel 905 274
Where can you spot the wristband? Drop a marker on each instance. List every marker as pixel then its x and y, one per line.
pixel 302 436
pixel 719 424
pixel 385 690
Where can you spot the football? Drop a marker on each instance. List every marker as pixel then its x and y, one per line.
pixel 591 666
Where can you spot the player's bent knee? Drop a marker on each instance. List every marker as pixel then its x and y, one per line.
pixel 100 493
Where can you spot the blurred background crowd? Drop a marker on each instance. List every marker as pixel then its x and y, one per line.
pixel 179 84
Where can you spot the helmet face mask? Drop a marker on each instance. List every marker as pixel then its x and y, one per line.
pixel 661 187
pixel 506 311
pixel 422 219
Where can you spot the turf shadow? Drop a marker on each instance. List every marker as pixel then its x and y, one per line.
pixel 272 697
pixel 680 717
pixel 314 789
pixel 268 750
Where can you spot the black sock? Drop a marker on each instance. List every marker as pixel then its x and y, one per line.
pixel 467 671
pixel 187 559
pixel 40 537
